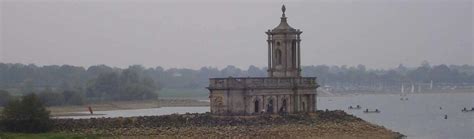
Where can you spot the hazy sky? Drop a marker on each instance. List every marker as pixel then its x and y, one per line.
pixel 196 33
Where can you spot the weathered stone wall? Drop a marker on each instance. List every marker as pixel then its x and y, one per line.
pixel 262 83
pixel 243 96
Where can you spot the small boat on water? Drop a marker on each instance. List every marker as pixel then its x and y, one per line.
pixel 356 107
pixel 466 110
pixel 367 111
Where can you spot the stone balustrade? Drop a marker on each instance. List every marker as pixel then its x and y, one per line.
pixel 262 82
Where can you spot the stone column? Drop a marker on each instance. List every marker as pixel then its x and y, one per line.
pixel 277 103
pixel 295 103
pixel 286 53
pixel 310 103
pixel 315 103
pixel 299 55
pixel 263 104
pixel 289 103
pixel 269 69
pixel 298 103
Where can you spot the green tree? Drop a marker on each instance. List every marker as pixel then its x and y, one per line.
pixel 27 114
pixel 104 87
pixel 51 98
pixel 27 86
pixel 73 97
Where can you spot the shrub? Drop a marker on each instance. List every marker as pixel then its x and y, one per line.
pixel 4 97
pixel 27 114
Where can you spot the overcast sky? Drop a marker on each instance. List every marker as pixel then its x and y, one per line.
pixel 196 33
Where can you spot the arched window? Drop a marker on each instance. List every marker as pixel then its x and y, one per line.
pixel 283 106
pixel 256 106
pixel 278 56
pixel 304 107
pixel 270 106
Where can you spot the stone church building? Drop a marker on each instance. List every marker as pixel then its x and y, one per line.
pixel 283 91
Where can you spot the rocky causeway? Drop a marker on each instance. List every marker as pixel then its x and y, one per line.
pixel 320 124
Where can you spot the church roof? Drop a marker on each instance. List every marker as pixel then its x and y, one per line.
pixel 283 27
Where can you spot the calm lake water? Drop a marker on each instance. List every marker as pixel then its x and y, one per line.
pixel 419 117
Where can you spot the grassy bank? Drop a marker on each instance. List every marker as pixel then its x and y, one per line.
pixel 44 136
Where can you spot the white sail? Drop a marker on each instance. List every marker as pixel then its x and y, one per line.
pixel 402 93
pixel 412 88
pixel 402 90
pixel 431 84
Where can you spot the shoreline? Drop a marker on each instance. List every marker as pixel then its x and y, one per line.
pixel 368 93
pixel 122 105
pixel 165 102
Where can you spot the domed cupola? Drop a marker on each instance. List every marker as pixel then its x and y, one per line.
pixel 284 27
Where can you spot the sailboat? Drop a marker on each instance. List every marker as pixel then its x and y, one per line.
pixel 403 95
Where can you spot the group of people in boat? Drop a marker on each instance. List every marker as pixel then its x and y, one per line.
pixel 466 110
pixel 365 111
pixel 377 111
pixel 356 107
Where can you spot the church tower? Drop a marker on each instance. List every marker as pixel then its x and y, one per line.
pixel 284 57
pixel 283 91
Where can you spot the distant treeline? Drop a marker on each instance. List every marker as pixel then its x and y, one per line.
pixel 360 79
pixel 102 82
pixel 70 85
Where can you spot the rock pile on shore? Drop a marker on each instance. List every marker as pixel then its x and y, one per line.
pixel 319 124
